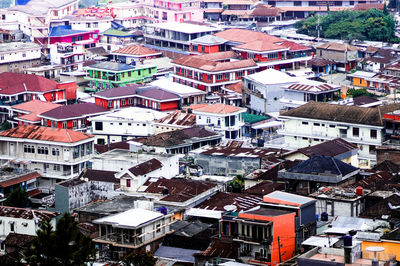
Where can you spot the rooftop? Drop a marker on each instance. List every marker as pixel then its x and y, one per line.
pixel 179 190
pixel 272 76
pixel 117 92
pixel 34 108
pixel 182 90
pixel 30 132
pixel 330 148
pixel 13 83
pixel 41 7
pixel 145 167
pixel 15 46
pixel 112 66
pixel 184 27
pixel 342 47
pixel 132 114
pixel 133 218
pixel 117 33
pixel 179 118
pixel 136 49
pixel 209 40
pixel 342 113
pixel 237 151
pixel 64 30
pixel 236 202
pixel 27 214
pixel 73 110
pixel 8 179
pixel 216 108
pixel 312 86
pixel 280 197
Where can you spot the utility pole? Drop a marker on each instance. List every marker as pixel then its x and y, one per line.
pixel 279 249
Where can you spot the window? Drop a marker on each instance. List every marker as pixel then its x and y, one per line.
pixel 110 104
pixel 273 56
pixel 374 134
pixel 64 124
pixel 219 77
pixel 317 124
pixel 55 152
pixel 74 124
pixel 128 183
pixel 130 101
pixel 372 149
pixel 208 77
pixel 129 74
pixel 98 125
pixel 158 226
pixel 123 102
pixel 304 123
pixel 356 132
pixel 12 226
pixel 208 120
pixel 239 74
pixel 332 126
pixel 29 148
pixel 43 150
pixel 297 3
pixel 75 153
pixel 56 167
pixel 24 55
pixel 120 124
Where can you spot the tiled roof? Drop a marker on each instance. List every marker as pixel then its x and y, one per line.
pixel 366 6
pixel 263 11
pixel 179 190
pixel 28 214
pixel 19 179
pixel 242 201
pixel 329 148
pixel 17 240
pixel 222 249
pixel 236 87
pixel 316 61
pixel 388 166
pixel 362 100
pixel 374 182
pixel 323 165
pixel 179 118
pixel 244 36
pixel 265 187
pixel 73 110
pixel 239 151
pixel 337 47
pixel 311 86
pixel 260 45
pixel 342 113
pixel 97 50
pixel 100 175
pixel 145 167
pixel 45 133
pixel 136 49
pixel 209 62
pixel 176 137
pixel 35 107
pixel 118 92
pixel 217 108
pixel 159 94
pixel 294 46
pixel 123 145
pixel 12 83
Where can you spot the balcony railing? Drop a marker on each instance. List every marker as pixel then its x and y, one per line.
pixel 260 240
pixel 121 239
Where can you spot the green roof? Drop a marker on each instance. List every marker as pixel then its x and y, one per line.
pixel 117 33
pixel 251 119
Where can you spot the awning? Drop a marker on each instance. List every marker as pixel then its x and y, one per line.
pixel 268 125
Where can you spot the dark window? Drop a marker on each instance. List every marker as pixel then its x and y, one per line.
pixel 374 134
pixel 304 123
pixel 356 132
pixel 128 183
pixel 98 125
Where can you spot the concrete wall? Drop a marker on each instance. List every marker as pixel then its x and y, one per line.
pixel 220 165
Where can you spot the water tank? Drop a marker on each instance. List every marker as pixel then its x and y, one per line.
pixel 359 191
pixel 347 241
pixel 163 210
pixel 324 216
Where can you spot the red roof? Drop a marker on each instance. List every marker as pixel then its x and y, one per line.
pixel 34 107
pixel 217 108
pixel 245 36
pixel 74 110
pixel 27 214
pixel 295 46
pixel 261 46
pixel 19 179
pixel 12 83
pixel 45 133
pixel 137 49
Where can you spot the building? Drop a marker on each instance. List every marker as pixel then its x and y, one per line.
pixel 23 221
pixel 135 53
pixel 175 11
pixel 180 141
pixel 232 161
pixel 266 50
pixel 175 35
pixel 336 148
pixel 314 123
pixel 209 72
pixel 106 75
pixel 89 186
pixel 151 97
pixel 127 123
pixel 222 118
pixel 27 112
pixel 10 180
pixel 135 229
pixel 378 60
pixel 18 88
pixel 74 116
pixel 54 153
pixel 113 39
pixel 318 171
pixel 18 56
pixel 345 55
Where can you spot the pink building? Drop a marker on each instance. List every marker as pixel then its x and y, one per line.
pixel 64 34
pixel 175 10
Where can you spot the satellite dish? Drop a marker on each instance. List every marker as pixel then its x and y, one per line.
pixel 230 208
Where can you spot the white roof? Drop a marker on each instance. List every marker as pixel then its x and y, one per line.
pixel 320 241
pixel 268 124
pixel 183 27
pixel 272 76
pixel 130 218
pixel 362 74
pixel 182 90
pixel 136 114
pixel 204 213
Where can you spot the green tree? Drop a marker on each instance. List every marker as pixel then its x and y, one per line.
pixel 18 198
pixel 139 259
pixel 385 10
pixel 5 126
pixel 237 184
pixel 65 246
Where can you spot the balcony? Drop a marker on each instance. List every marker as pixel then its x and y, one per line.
pixel 257 240
pixel 132 241
pixel 64 49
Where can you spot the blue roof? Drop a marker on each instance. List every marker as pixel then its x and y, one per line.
pixel 112 66
pixel 64 30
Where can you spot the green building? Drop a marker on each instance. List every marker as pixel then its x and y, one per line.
pixel 106 75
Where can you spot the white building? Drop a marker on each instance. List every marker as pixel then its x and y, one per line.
pixel 263 90
pixel 123 124
pixel 55 153
pixel 314 123
pixel 22 221
pixel 222 118
pixel 129 231
pixel 70 56
pixel 18 56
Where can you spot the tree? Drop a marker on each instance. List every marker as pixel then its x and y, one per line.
pixel 5 126
pixel 18 198
pixel 139 259
pixel 64 246
pixel 237 184
pixel 385 10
